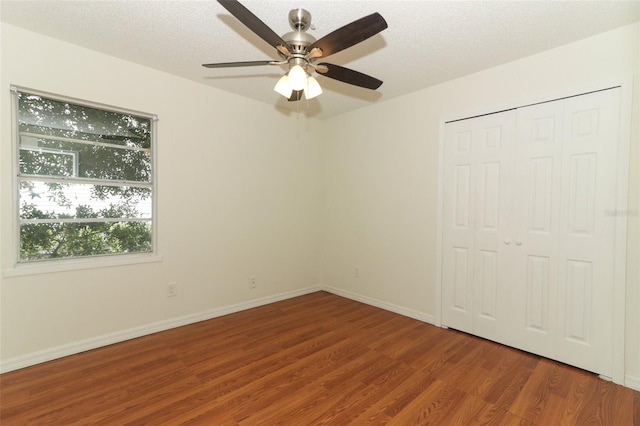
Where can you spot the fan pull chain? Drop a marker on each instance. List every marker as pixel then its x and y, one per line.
pixel 298 121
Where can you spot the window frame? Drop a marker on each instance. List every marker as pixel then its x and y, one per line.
pixel 18 266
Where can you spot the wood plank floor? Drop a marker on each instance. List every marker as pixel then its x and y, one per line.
pixel 315 359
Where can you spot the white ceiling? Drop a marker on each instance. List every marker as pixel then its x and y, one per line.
pixel 427 42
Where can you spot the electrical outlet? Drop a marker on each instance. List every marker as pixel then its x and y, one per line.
pixel 252 283
pixel 172 289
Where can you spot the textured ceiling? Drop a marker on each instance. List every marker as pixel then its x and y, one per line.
pixel 427 42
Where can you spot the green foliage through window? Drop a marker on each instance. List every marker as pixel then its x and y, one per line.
pixel 85 180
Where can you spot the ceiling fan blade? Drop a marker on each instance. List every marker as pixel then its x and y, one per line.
pixel 240 64
pixel 296 95
pixel 350 76
pixel 252 22
pixel 350 34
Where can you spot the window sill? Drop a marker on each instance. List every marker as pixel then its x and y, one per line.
pixel 48 267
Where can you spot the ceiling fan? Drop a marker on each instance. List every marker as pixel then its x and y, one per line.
pixel 300 51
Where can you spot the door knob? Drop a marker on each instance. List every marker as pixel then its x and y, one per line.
pixel 507 242
pixel 518 243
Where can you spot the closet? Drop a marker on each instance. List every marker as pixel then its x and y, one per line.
pixel 527 246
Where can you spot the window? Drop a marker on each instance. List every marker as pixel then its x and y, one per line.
pixel 84 179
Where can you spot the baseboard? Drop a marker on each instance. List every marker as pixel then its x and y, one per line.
pixel 407 312
pixel 132 333
pixel 632 382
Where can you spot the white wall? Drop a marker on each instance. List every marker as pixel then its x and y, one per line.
pixel 380 173
pixel 238 196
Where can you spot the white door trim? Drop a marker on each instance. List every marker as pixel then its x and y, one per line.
pixel 622 187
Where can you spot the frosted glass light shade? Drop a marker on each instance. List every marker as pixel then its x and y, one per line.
pixel 283 87
pixel 313 88
pixel 297 77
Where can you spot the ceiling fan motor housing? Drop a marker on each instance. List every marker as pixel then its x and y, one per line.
pixel 298 39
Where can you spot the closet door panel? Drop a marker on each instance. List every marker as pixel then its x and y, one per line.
pixel 458 223
pixel 493 144
pixel 476 218
pixel 586 234
pixel 538 154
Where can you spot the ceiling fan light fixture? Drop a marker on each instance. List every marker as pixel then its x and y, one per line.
pixel 283 87
pixel 297 77
pixel 313 88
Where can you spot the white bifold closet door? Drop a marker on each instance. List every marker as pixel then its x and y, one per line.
pixel 528 252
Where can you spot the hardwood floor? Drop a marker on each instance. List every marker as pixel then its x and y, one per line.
pixel 315 359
